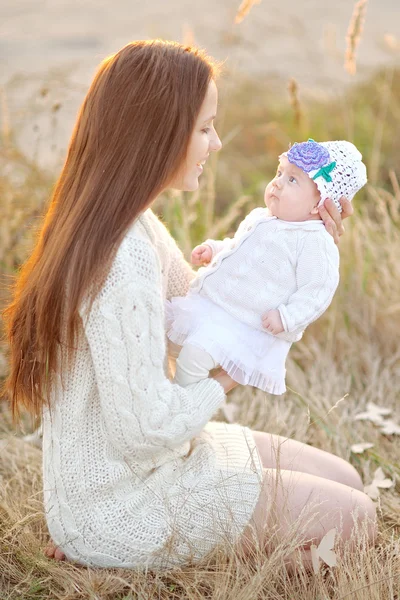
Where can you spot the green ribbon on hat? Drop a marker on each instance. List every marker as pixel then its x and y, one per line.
pixel 324 172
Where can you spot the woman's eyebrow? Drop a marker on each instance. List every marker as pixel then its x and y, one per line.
pixel 209 119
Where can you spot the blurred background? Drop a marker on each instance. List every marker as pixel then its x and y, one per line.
pixel 49 50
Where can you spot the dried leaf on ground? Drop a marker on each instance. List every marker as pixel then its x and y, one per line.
pixel 324 551
pixel 360 448
pixel 379 481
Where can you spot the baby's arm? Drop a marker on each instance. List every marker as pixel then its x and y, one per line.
pixel 317 276
pixel 204 253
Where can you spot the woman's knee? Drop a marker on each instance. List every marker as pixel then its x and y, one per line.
pixel 364 512
pixel 285 453
pixel 296 503
pixel 329 504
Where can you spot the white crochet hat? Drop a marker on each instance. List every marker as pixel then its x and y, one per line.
pixel 336 167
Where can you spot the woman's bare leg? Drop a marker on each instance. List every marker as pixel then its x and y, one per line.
pixel 279 452
pixel 293 503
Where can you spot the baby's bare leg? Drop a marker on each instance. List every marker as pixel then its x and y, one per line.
pixel 192 365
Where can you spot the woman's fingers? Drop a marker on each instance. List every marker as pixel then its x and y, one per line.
pixel 347 208
pixel 331 218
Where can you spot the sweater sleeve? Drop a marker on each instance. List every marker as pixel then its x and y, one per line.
pixel 218 245
pixel 125 331
pixel 317 277
pixel 180 273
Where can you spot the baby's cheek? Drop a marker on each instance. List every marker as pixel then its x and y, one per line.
pixel 267 190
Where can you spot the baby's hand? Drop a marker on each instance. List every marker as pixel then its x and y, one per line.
pixel 201 255
pixel 272 322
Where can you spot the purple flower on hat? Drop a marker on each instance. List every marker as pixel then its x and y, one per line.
pixel 309 156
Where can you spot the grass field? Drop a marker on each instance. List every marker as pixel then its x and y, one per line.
pixel 348 358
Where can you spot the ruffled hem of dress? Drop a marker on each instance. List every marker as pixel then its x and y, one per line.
pixel 255 379
pixel 181 328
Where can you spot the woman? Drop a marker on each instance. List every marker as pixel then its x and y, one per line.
pixel 135 473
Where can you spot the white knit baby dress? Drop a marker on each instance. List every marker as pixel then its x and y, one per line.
pixel 268 264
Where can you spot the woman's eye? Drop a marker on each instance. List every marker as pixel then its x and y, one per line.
pixel 206 130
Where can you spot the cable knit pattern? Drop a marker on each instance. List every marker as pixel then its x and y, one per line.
pixel 269 264
pixel 135 473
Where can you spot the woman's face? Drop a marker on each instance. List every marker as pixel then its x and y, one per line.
pixel 204 139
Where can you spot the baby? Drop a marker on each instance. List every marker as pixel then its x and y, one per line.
pixel 278 274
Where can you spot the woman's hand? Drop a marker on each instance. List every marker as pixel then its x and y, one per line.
pixel 227 382
pixel 332 218
pixel 201 255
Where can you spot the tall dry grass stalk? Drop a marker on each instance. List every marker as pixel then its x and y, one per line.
pixel 5 125
pixel 354 35
pixel 188 37
pixel 380 123
pixel 244 9
pixel 294 99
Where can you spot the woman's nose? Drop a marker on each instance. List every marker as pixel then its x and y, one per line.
pixel 215 143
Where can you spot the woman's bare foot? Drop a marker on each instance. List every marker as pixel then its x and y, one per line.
pixel 51 551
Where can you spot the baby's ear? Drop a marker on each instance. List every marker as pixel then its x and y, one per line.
pixel 314 210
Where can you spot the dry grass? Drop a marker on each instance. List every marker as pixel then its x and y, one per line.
pixel 352 350
pixel 354 35
pixel 244 9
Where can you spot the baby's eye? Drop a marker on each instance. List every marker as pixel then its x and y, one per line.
pixel 292 179
pixel 278 173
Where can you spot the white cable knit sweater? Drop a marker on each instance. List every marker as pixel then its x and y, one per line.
pixel 272 264
pixel 135 473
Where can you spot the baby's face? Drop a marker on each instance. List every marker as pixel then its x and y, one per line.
pixel 292 195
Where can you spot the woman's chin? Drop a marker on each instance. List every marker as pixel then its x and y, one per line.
pixel 192 186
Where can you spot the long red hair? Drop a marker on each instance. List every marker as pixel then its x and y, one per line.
pixel 129 141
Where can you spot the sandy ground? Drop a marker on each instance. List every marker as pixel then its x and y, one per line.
pixel 57 44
